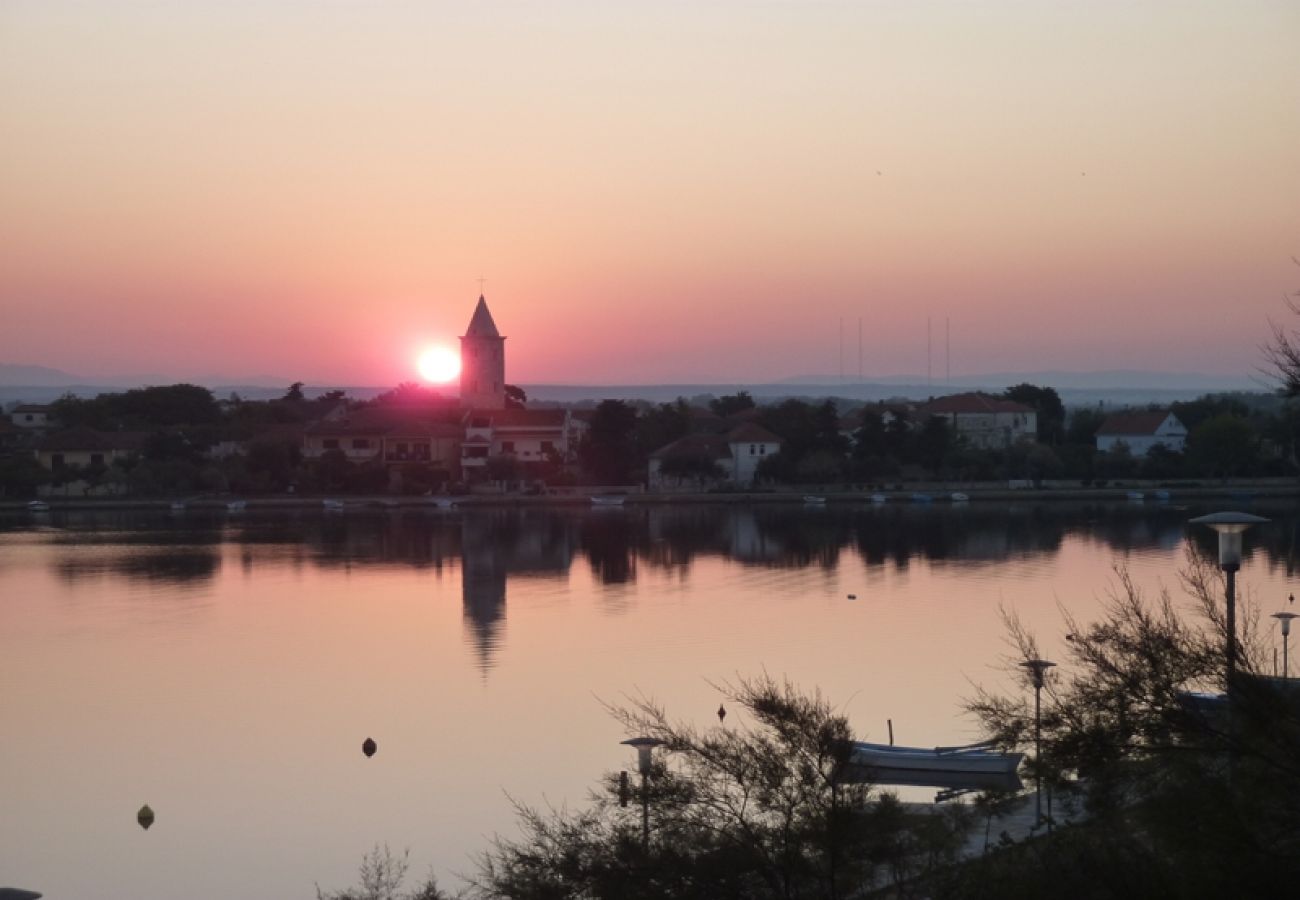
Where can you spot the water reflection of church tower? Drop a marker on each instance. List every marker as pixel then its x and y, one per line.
pixel 483 583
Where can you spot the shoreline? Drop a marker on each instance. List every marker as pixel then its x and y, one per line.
pixel 1243 491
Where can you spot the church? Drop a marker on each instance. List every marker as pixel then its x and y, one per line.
pixel 485 438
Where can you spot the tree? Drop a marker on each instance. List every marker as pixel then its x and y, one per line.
pixel 1223 446
pixel 1202 803
pixel 294 394
pixel 516 397
pixel 382 874
pixel 1084 424
pixel 660 425
pixel 730 404
pixel 1047 403
pixel 1282 352
pixel 695 467
pixel 608 452
pixel 753 811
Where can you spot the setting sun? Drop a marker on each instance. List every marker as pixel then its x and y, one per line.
pixel 439 365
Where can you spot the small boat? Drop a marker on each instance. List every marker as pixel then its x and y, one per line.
pixel 444 503
pixel 922 498
pixel 1162 496
pixel 608 499
pixel 332 505
pixel 1136 496
pixel 237 506
pixel 959 497
pixel 38 506
pixel 814 501
pixel 879 498
pixel 177 506
pixel 971 759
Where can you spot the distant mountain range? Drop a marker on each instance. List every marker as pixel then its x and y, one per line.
pixel 40 384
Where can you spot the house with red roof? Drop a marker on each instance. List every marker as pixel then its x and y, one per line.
pixel 1141 431
pixel 530 436
pixel 984 420
pixel 736 454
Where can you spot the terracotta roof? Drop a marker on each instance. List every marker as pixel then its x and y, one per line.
pixel 381 421
pixel 481 324
pixel 712 446
pixel 751 433
pixel 31 408
pixel 90 439
pixel 1145 422
pixel 974 403
pixel 524 418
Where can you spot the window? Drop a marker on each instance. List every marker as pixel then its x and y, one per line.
pixel 96 459
pixel 762 449
pixel 56 460
pixel 507 446
pixel 752 449
pixel 330 443
pixel 360 443
pixel 547 446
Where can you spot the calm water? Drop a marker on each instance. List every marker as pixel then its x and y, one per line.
pixel 226 670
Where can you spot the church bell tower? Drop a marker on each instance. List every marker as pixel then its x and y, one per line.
pixel 482 362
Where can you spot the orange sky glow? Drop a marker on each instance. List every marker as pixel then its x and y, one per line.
pixel 654 192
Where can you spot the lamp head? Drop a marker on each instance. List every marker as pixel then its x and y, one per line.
pixel 1284 618
pixel 1037 669
pixel 1230 526
pixel 643 747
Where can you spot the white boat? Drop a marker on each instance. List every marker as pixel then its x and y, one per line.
pixel 814 501
pixel 878 498
pixel 38 506
pixel 972 759
pixel 959 497
pixel 444 503
pixel 608 499
pixel 332 505
pixel 922 498
pixel 1136 496
pixel 1162 496
pixel 177 506
pixel 236 506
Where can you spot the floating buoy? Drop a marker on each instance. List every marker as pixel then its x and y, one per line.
pixel 145 817
pixel 369 747
pixel 853 596
pixel 722 712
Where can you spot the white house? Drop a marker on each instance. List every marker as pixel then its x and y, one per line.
pixel 985 421
pixel 529 435
pixel 31 416
pixel 1142 431
pixel 737 454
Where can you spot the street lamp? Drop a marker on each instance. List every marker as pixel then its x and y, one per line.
pixel 1037 669
pixel 643 747
pixel 1284 618
pixel 1230 526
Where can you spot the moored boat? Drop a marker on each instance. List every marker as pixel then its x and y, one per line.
pixel 332 505
pixel 812 500
pixel 1136 496
pixel 879 498
pixel 973 759
pixel 608 499
pixel 236 506
pixel 919 497
pixel 38 506
pixel 959 497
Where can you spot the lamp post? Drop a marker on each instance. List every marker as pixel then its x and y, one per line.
pixel 1037 669
pixel 643 747
pixel 1284 618
pixel 1230 526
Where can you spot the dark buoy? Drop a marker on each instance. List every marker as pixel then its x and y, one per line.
pixel 722 713
pixel 145 817
pixel 369 747
pixel 853 596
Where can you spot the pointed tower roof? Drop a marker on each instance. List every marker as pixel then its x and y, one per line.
pixel 481 324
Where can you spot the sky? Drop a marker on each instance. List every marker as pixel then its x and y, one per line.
pixel 652 191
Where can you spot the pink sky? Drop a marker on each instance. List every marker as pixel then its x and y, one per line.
pixel 660 191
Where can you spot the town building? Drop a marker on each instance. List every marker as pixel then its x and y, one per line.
pixel 985 421
pixel 31 416
pixel 86 447
pixel 391 437
pixel 698 460
pixel 1142 431
pixel 533 438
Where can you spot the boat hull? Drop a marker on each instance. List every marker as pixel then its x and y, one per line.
pixel 921 759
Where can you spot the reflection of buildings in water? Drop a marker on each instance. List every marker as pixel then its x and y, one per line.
pixel 750 543
pixel 494 545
